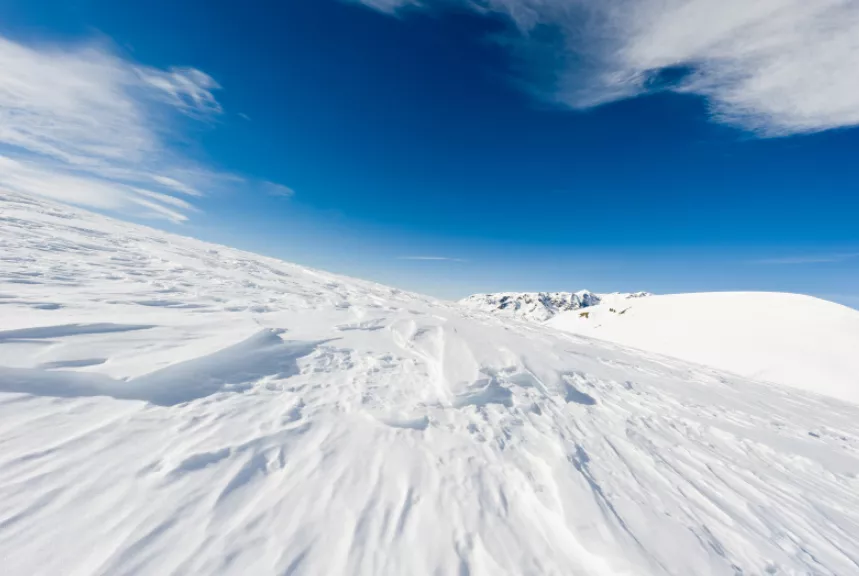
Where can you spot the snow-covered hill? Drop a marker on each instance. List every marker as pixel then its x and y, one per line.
pixel 789 339
pixel 169 406
pixel 539 306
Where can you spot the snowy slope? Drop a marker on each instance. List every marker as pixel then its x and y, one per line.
pixel 789 339
pixel 539 306
pixel 169 406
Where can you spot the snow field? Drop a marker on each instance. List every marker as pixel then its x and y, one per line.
pixel 169 406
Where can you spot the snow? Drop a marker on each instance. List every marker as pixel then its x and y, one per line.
pixel 540 306
pixel 169 406
pixel 789 339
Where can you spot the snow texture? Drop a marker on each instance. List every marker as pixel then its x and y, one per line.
pixel 170 406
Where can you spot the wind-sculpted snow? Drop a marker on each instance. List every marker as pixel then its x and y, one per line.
pixel 169 406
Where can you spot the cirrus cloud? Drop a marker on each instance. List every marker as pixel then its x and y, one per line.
pixel 83 125
pixel 773 67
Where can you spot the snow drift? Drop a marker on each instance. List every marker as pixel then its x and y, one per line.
pixel 169 406
pixel 789 339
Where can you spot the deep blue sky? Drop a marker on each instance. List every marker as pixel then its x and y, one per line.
pixel 414 136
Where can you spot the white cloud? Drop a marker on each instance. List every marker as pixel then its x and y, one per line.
pixel 165 199
pixel 90 190
pixel 36 178
pixel 187 89
pixel 157 210
pixel 774 67
pixel 82 125
pixel 174 184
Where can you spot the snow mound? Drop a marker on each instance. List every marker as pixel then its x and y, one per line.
pixel 169 406
pixel 539 306
pixel 789 339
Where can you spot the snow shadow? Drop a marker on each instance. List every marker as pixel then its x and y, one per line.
pixel 43 332
pixel 483 392
pixel 573 394
pixel 235 368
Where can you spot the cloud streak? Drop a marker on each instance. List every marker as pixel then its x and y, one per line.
pixel 82 125
pixel 772 67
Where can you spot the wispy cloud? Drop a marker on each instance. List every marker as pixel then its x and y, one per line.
pixel 186 89
pixel 431 258
pixel 774 67
pixel 273 189
pixel 810 259
pixel 81 124
pixel 388 6
pixel 175 185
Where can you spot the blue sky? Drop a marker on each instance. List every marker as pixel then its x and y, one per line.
pixel 555 145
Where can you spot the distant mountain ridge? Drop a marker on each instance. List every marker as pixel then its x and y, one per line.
pixel 541 306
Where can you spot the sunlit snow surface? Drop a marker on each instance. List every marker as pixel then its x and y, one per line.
pixel 169 406
pixel 787 339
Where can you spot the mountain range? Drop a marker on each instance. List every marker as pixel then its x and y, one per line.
pixel 541 306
